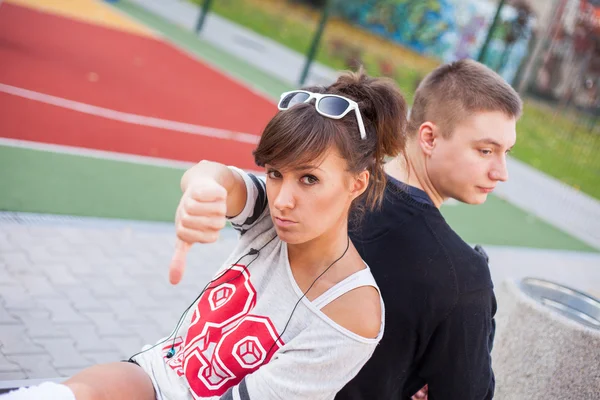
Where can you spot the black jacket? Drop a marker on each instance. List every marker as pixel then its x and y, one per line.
pixel 439 304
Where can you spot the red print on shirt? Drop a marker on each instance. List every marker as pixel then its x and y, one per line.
pixel 225 342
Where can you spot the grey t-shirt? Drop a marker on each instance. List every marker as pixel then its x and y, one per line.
pixel 234 343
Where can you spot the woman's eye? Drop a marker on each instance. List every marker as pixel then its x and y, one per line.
pixel 309 179
pixel 485 152
pixel 273 174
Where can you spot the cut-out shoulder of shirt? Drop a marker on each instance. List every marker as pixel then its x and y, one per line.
pixel 358 310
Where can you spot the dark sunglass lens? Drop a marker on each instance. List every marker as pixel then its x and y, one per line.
pixel 292 99
pixel 333 105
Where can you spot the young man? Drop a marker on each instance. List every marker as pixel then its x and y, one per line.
pixel 437 290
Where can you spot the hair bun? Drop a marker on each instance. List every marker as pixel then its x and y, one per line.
pixel 382 107
pixel 384 112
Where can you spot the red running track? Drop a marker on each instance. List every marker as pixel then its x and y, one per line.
pixel 55 55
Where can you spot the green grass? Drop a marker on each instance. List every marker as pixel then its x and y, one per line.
pixel 563 145
pixel 296 30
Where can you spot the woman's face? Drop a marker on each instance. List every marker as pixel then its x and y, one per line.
pixel 308 201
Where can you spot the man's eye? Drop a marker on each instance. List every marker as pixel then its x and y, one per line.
pixel 309 179
pixel 273 174
pixel 485 152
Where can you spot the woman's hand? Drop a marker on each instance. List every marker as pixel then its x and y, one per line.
pixel 200 216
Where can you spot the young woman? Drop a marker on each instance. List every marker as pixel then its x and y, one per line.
pixel 294 313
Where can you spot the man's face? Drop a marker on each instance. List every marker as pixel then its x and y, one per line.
pixel 468 165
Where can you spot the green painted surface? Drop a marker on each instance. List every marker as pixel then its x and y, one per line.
pixel 44 182
pixel 500 223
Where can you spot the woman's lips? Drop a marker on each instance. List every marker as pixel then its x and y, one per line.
pixel 284 223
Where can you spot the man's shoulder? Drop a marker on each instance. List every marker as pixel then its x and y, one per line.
pixel 470 266
pixel 420 236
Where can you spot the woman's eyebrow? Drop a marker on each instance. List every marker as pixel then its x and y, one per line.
pixel 306 167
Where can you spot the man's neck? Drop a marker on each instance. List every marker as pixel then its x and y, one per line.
pixel 413 172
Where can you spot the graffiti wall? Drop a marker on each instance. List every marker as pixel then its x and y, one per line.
pixel 445 29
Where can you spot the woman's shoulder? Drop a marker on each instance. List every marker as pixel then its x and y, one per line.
pixel 359 310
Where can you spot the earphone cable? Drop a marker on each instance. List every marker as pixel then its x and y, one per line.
pixel 302 297
pixel 206 287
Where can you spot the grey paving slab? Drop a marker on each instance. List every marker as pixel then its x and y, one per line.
pixel 8 365
pixel 105 357
pixel 62 352
pixel 75 292
pixel 40 324
pixel 86 301
pixel 63 311
pixel 35 365
pixel 14 341
pixel 39 287
pixel 12 375
pixel 15 297
pixel 6 317
pixel 86 338
pixel 16 260
pixel 69 310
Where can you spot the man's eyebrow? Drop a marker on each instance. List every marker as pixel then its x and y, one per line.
pixel 492 142
pixel 488 141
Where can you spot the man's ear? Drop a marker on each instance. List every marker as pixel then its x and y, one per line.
pixel 359 184
pixel 427 136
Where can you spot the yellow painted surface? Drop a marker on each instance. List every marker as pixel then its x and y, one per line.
pixel 91 11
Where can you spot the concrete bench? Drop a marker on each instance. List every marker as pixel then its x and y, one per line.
pixel 548 346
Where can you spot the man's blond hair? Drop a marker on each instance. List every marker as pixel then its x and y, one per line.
pixel 454 91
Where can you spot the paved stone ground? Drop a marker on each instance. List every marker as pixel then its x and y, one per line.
pixel 80 291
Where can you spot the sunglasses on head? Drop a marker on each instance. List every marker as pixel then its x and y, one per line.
pixel 328 105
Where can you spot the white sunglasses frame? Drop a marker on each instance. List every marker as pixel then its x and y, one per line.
pixel 352 105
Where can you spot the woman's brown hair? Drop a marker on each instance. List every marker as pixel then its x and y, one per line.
pixel 300 135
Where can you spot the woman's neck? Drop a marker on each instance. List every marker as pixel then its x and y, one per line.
pixel 317 254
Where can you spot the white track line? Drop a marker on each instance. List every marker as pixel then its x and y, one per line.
pixel 130 118
pixel 102 154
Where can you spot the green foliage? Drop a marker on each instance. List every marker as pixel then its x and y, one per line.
pixel 564 146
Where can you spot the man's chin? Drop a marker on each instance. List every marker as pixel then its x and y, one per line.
pixel 478 199
pixel 473 199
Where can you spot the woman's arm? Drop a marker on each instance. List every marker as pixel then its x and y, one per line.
pixel 211 192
